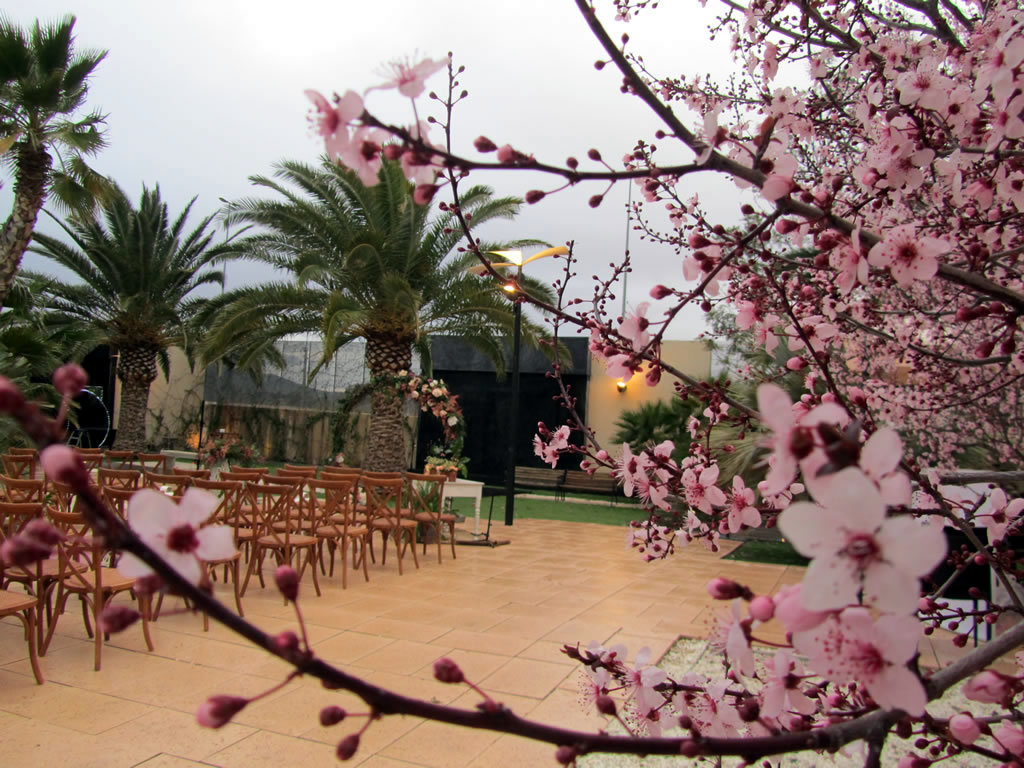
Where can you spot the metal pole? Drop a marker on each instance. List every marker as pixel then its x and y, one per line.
pixel 510 468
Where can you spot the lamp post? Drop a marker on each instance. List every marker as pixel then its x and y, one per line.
pixel 515 259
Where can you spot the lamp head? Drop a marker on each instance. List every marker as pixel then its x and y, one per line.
pixel 621 386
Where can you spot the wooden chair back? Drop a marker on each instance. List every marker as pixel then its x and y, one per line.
pixel 303 474
pixel 23 489
pixel 383 475
pixel 195 474
pixel 340 472
pixel 119 478
pixel 275 511
pixel 118 498
pixel 18 465
pixel 250 470
pixel 153 462
pixel 91 459
pixel 331 502
pixel 425 494
pixel 383 497
pixel 119 459
pixel 172 485
pixel 231 497
pixel 24 452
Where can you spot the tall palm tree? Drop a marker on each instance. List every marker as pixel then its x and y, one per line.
pixel 366 263
pixel 43 84
pixel 138 270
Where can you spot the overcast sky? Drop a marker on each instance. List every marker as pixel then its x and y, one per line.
pixel 202 94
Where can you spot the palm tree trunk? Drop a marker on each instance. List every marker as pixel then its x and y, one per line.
pixel 32 174
pixel 136 369
pixel 386 450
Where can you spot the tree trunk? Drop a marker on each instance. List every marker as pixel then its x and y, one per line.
pixel 136 369
pixel 31 176
pixel 386 450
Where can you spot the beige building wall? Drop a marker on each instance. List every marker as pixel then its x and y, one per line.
pixel 605 403
pixel 174 404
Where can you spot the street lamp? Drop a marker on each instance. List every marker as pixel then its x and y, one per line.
pixel 515 259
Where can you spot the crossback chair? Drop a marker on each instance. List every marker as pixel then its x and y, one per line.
pixel 153 462
pixel 337 527
pixel 26 607
pixel 91 458
pixel 384 513
pixel 231 511
pixel 119 478
pixel 117 498
pixel 278 519
pixel 18 465
pixel 195 474
pixel 23 451
pixel 23 489
pixel 426 502
pixel 172 485
pixel 119 459
pixel 81 557
pixel 249 470
pixel 303 472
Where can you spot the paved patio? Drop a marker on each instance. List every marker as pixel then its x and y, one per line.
pixel 502 614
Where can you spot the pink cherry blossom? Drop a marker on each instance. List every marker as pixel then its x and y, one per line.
pixel 741 506
pixel 988 686
pixel 410 79
pixel 789 609
pixel 908 256
pixel 853 647
pixel 729 636
pixel 880 457
pixel 999 514
pixel 964 728
pixel 856 548
pixel 634 327
pixel 173 531
pixel 701 491
pixel 781 690
pixel 1011 737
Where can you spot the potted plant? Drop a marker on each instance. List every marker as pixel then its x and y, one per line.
pixel 226 449
pixel 452 466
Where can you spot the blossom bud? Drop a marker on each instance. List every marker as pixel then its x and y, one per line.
pixel 286 642
pixel 858 397
pixel 20 551
pixel 332 715
pixel 348 746
pixel 660 292
pixel 61 464
pixel 796 363
pixel 606 705
pixel 689 748
pixel 287 580
pixel 424 193
pixel 988 686
pixel 984 349
pixel 749 710
pixel 762 608
pixel 393 151
pixel 964 728
pixel 594 155
pixel 117 618
pixel 566 755
pixel 217 711
pixel 785 226
pixel 447 671
pixel 595 201
pixel 506 154
pixel 913 761
pixel 11 398
pixel 483 144
pixel 70 379
pixel 726 589
pixel 697 240
pixel 534 196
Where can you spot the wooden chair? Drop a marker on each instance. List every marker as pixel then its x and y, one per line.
pixel 34 579
pixel 92 459
pixel 26 608
pixel 249 470
pixel 230 512
pixel 426 502
pixel 22 489
pixel 119 459
pixel 341 471
pixel 302 467
pixel 195 474
pixel 153 462
pixel 117 498
pixel 18 465
pixel 94 584
pixel 24 452
pixel 119 478
pixel 336 526
pixel 172 485
pixel 305 473
pixel 384 513
pixel 276 522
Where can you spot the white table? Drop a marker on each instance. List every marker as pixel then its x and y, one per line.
pixel 466 489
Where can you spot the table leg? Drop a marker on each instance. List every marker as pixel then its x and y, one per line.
pixel 476 518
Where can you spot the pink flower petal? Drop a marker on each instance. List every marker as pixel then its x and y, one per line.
pixel 216 542
pixel 881 454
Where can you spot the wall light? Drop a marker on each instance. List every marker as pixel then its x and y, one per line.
pixel 621 386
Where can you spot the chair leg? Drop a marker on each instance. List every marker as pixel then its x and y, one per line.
pixel 145 603
pixel 362 556
pixel 236 577
pixel 344 561
pixel 257 557
pixel 396 535
pixel 311 559
pixel 451 537
pixel 62 598
pixel 33 655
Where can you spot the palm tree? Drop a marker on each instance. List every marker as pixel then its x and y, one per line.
pixel 367 263
pixel 43 83
pixel 138 271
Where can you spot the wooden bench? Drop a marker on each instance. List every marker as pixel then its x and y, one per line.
pixel 584 482
pixel 540 477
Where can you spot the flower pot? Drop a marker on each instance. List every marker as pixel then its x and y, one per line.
pixel 453 475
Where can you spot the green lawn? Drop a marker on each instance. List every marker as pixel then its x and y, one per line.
pixel 543 509
pixel 777 552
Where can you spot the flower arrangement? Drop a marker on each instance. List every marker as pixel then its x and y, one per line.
pixel 229 448
pixel 433 396
pixel 446 465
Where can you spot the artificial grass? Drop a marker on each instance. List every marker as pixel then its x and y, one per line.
pixel 543 509
pixel 775 552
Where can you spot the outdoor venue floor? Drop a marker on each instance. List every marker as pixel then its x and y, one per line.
pixel 501 613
